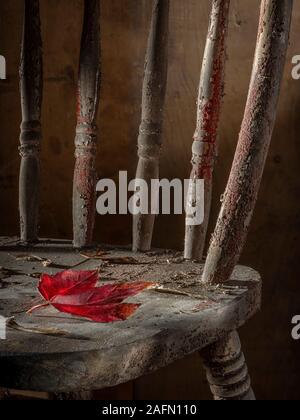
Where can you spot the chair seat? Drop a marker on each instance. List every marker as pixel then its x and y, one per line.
pixel 180 318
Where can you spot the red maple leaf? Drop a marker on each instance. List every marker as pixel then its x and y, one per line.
pixel 67 283
pixel 75 292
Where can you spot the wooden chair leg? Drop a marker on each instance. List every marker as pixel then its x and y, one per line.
pixel 226 369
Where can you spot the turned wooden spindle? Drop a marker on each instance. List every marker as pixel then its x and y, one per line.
pixel 226 369
pixel 241 193
pixel 204 149
pixel 31 87
pixel 84 186
pixel 150 137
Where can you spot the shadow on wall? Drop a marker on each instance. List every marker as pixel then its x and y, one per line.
pixel 272 244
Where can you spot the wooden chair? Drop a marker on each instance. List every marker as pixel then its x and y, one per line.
pixel 200 306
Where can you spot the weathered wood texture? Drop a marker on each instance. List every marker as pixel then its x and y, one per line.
pixel 31 86
pixel 84 186
pixel 227 372
pixel 167 327
pixel 153 101
pixel 255 136
pixel 211 90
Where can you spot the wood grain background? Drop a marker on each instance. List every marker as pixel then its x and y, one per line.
pixel 273 245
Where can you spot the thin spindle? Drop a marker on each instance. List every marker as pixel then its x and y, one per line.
pixel 211 89
pixel 31 87
pixel 84 186
pixel 150 137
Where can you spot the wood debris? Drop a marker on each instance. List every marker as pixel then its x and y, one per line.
pixel 34 258
pixel 54 332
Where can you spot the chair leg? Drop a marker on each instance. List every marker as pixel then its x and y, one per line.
pixel 226 369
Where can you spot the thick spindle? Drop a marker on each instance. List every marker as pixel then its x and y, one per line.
pixel 210 97
pixel 31 87
pixel 255 136
pixel 84 186
pixel 150 137
pixel 226 369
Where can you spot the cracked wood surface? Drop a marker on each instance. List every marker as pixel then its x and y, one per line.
pixel 167 327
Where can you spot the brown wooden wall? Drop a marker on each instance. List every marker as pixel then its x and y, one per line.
pixel 273 245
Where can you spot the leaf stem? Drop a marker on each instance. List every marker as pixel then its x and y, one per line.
pixel 35 308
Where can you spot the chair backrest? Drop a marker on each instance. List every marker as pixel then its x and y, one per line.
pixel 258 123
pixel 255 136
pixel 242 190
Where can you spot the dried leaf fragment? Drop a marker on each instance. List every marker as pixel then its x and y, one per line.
pixel 34 258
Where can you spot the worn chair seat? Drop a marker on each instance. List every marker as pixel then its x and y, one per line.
pixel 172 322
